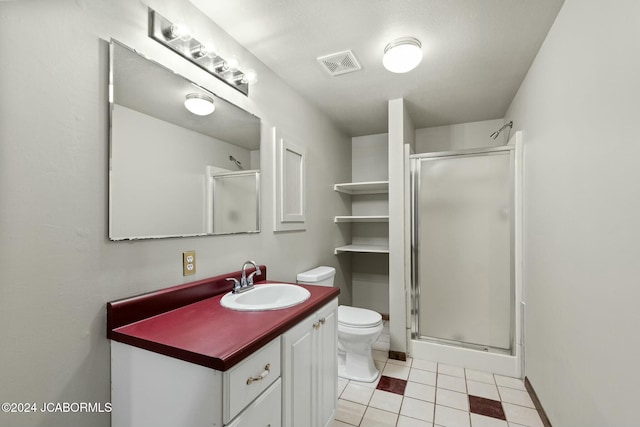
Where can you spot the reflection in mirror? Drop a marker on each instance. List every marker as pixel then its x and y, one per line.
pixel 173 172
pixel 232 201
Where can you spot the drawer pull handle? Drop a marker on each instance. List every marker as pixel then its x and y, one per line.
pixel 262 376
pixel 319 323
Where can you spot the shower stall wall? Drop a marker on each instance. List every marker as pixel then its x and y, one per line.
pixel 465 275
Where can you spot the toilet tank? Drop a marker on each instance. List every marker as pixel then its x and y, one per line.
pixel 320 276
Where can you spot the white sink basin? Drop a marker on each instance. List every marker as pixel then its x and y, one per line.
pixel 270 296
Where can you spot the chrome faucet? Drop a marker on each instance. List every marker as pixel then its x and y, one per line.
pixel 245 283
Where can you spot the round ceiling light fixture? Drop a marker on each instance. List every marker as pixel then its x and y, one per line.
pixel 199 104
pixel 402 55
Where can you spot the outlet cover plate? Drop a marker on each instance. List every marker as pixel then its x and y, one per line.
pixel 188 263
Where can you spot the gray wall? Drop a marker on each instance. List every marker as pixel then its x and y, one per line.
pixel 370 158
pixel 460 136
pixel 578 108
pixel 57 267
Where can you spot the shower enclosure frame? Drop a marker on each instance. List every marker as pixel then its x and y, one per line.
pixel 454 352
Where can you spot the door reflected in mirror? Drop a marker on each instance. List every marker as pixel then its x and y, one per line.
pixel 232 201
pixel 173 172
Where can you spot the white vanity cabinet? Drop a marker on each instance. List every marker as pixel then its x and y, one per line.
pixel 310 371
pixel 290 381
pixel 150 389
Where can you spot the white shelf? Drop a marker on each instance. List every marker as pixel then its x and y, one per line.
pixel 358 188
pixel 376 249
pixel 369 187
pixel 362 218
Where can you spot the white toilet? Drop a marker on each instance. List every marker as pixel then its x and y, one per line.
pixel 358 329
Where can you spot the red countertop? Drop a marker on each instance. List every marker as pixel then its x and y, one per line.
pixel 204 332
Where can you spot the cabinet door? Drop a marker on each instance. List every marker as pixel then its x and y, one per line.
pixel 151 389
pixel 297 374
pixel 327 363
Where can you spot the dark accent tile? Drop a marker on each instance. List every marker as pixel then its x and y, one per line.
pixel 398 355
pixel 392 385
pixel 486 407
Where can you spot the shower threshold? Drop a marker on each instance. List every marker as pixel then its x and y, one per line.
pixel 471 346
pixel 496 361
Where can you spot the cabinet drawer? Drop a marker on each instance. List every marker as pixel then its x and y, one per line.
pixel 265 411
pixel 245 381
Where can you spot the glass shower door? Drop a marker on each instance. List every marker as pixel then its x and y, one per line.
pixel 463 281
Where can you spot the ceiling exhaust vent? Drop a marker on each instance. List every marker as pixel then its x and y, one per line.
pixel 340 63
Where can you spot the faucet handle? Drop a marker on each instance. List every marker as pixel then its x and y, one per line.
pixel 236 283
pixel 250 278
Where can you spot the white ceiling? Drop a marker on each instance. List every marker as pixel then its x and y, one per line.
pixel 476 53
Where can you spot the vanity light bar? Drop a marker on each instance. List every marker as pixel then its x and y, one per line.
pixel 177 38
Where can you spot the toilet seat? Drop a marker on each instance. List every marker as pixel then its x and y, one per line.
pixel 354 317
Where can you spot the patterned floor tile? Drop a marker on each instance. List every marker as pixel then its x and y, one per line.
pixel 521 415
pixel 376 418
pixel 486 407
pixel 386 401
pixel 392 385
pixel 418 409
pixel 478 420
pixel 350 412
pixel 449 417
pixel 357 393
pixel 422 393
pixel 488 391
pixel 452 383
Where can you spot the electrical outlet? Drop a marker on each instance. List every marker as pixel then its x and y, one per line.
pixel 188 263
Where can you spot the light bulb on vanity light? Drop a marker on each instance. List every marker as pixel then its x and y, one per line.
pixel 199 104
pixel 178 31
pixel 250 77
pixel 233 63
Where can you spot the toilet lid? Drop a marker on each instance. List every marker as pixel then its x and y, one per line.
pixel 355 317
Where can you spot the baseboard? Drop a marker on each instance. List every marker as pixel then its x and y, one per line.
pixel 536 402
pixel 398 355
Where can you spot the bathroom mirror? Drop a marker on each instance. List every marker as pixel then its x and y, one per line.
pixel 174 173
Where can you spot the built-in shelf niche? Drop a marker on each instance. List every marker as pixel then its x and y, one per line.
pixel 367 222
pixel 366 242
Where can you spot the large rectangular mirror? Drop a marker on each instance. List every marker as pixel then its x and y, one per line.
pixel 172 172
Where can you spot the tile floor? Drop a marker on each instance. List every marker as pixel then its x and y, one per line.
pixel 420 393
